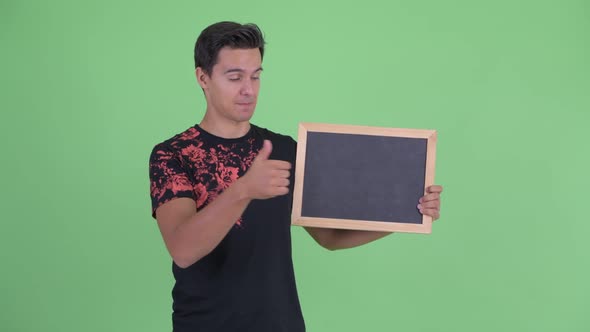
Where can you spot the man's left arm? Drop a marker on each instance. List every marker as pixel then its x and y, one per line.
pixel 334 239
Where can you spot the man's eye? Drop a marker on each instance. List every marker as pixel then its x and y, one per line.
pixel 234 78
pixel 255 78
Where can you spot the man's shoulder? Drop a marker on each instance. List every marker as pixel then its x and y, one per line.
pixel 284 147
pixel 272 135
pixel 178 142
pixel 189 136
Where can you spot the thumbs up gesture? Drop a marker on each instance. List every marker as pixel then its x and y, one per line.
pixel 266 178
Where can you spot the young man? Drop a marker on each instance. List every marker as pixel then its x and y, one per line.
pixel 222 193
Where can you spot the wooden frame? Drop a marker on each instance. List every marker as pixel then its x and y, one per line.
pixel 385 225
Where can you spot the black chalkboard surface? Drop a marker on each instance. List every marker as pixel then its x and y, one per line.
pixel 367 178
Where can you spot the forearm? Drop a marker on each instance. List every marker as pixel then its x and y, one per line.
pixel 335 239
pixel 344 238
pixel 202 232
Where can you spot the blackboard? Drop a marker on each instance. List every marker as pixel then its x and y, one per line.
pixel 366 178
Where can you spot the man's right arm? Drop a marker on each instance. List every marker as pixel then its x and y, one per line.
pixel 190 235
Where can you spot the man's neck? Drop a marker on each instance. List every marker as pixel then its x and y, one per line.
pixel 225 129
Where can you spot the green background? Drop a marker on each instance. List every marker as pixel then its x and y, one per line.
pixel 89 87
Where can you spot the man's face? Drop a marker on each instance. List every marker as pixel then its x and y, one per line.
pixel 232 88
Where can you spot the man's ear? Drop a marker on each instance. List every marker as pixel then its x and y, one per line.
pixel 202 77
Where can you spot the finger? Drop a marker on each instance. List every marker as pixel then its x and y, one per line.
pixel 429 197
pixel 278 191
pixel 279 173
pixel 280 182
pixel 435 214
pixel 279 164
pixel 265 151
pixel 430 205
pixel 434 189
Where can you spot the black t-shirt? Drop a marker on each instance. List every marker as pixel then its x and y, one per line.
pixel 247 282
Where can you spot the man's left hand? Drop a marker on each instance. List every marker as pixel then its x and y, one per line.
pixel 429 204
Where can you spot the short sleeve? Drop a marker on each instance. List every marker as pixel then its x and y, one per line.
pixel 168 178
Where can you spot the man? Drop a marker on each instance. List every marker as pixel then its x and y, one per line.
pixel 221 194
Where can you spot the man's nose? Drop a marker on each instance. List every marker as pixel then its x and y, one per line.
pixel 247 87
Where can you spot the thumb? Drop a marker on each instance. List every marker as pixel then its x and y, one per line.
pixel 264 153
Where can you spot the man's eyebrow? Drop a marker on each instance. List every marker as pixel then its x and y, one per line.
pixel 239 70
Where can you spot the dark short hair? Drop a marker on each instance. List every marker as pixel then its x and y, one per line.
pixel 222 34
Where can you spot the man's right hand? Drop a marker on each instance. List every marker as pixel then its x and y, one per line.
pixel 266 178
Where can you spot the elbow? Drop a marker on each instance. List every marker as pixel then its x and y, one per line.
pixel 329 245
pixel 185 260
pixel 327 239
pixel 332 248
pixel 183 263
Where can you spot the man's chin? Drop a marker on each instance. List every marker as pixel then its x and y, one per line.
pixel 245 111
pixel 244 115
